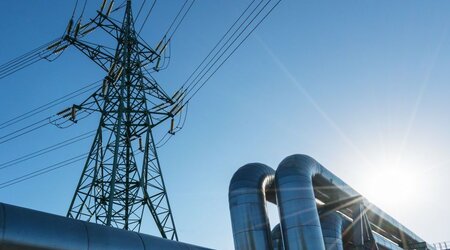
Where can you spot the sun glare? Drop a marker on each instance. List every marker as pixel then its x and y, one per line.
pixel 391 185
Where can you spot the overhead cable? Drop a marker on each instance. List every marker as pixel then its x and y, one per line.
pixel 47 106
pixel 191 87
pixel 46 150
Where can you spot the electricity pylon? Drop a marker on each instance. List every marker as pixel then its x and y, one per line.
pixel 122 177
pixel 116 188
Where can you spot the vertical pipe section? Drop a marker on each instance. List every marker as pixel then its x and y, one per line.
pixel 331 224
pixel 277 239
pixel 247 197
pixel 357 228
pixel 299 217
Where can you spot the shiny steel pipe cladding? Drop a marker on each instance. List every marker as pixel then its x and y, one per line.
pixel 298 181
pixel 296 203
pixel 331 224
pixel 22 228
pixel 277 240
pixel 249 190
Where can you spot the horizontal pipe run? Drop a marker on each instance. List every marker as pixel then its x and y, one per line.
pixel 22 228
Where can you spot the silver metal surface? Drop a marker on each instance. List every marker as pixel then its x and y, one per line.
pixel 331 224
pixel 357 225
pixel 299 182
pixel 383 223
pixel 247 197
pixel 297 205
pixel 277 239
pixel 22 228
pixel 382 243
pixel 385 244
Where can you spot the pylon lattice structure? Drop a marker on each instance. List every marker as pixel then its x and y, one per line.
pixel 116 187
pixel 121 179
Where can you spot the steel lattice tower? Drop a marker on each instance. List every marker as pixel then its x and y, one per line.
pixel 121 179
pixel 115 187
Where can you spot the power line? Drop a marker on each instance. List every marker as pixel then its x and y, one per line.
pixel 25 130
pixel 194 82
pixel 27 54
pixel 120 130
pixel 74 8
pixel 176 17
pixel 41 123
pixel 84 8
pixel 45 121
pixel 182 18
pixel 46 170
pixel 140 10
pixel 49 105
pixel 42 171
pixel 26 59
pixel 175 21
pixel 122 5
pixel 192 85
pixel 55 46
pixel 146 17
pixel 46 150
pixel 217 44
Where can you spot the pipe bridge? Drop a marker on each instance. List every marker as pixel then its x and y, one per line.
pixel 317 211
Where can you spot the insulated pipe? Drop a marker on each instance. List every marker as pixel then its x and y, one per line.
pixel 247 196
pixel 277 239
pixel 22 228
pixel 331 224
pixel 297 207
pixel 296 203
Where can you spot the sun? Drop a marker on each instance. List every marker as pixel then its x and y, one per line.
pixel 391 185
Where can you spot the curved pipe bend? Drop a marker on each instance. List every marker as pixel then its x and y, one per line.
pixel 249 189
pixel 295 197
pixel 296 203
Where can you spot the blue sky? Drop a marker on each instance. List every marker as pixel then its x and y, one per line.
pixel 362 86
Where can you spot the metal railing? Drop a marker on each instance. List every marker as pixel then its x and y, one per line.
pixel 442 245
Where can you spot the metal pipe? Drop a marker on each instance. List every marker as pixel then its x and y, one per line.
pixel 389 225
pixel 296 203
pixel 299 180
pixel 277 239
pixel 358 226
pixel 298 167
pixel 22 228
pixel 331 224
pixel 249 189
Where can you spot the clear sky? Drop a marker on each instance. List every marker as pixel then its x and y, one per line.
pixel 361 86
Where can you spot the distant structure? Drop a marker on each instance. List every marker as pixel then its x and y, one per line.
pixel 122 177
pixel 442 245
pixel 116 186
pixel 317 211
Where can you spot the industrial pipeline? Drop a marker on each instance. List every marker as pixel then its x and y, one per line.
pixel 317 210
